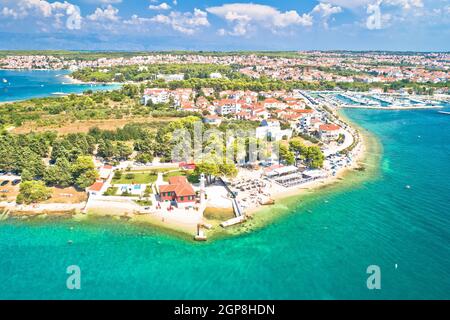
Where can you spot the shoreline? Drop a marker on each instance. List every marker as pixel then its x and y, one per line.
pixel 348 178
pixel 261 216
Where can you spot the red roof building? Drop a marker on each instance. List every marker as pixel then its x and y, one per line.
pixel 329 127
pixel 178 190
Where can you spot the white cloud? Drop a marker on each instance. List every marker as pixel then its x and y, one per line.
pixel 104 1
pixel 353 4
pixel 44 9
pixel 136 20
pixel 325 11
pixel 350 4
pixel 107 14
pixel 404 4
pixel 244 16
pixel 9 13
pixel 184 22
pixel 162 6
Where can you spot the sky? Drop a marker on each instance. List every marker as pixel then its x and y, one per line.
pixel 397 25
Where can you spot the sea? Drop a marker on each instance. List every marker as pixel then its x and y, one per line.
pixel 26 84
pixel 322 245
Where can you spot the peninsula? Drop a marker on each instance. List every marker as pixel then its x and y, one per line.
pixel 254 129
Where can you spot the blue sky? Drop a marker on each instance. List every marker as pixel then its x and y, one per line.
pixel 415 25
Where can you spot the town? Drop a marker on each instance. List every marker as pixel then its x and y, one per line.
pixel 128 170
pixel 340 67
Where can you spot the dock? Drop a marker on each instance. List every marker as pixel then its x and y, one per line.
pixel 4 215
pixel 233 221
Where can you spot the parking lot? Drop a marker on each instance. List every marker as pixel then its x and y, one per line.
pixel 9 187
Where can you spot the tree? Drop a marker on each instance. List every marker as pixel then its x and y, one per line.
pixel 26 175
pixel 83 172
pixel 228 169
pixel 144 157
pixel 33 192
pixel 285 155
pixel 59 174
pixel 106 149
pixel 123 151
pixel 314 157
pixel 209 168
pixel 296 146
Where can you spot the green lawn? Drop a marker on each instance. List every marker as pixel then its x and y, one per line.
pixel 188 174
pixel 151 176
pixel 137 178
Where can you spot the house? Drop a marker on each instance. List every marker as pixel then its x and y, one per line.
pixel 273 104
pixel 215 75
pixel 105 172
pixel 202 102
pixel 243 115
pixel 306 116
pixel 271 129
pixel 155 96
pixel 260 113
pixel 212 120
pixel 329 132
pixel 228 106
pixel 171 77
pixel 187 166
pixel 178 190
pixel 96 189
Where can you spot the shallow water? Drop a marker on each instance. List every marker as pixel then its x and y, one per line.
pixel 320 250
pixel 22 85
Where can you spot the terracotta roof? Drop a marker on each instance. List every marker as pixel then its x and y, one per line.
pixel 329 127
pixel 97 186
pixel 181 190
pixel 304 111
pixel 177 180
pixel 179 185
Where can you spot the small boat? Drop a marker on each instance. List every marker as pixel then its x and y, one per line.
pixel 444 112
pixel 4 80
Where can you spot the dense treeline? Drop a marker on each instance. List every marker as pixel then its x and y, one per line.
pixel 117 104
pixel 150 72
pixel 266 84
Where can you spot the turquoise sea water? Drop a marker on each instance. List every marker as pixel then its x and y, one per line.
pixel 320 250
pixel 34 84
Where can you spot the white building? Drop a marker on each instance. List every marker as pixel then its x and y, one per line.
pixel 271 129
pixel 155 96
pixel 215 75
pixel 328 132
pixel 228 106
pixel 171 77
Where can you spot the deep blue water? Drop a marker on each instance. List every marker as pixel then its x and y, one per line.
pixel 39 83
pixel 320 250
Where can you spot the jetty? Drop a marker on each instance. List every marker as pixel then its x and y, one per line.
pixel 4 215
pixel 233 221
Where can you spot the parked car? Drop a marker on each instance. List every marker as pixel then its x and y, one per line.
pixel 4 183
pixel 16 182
